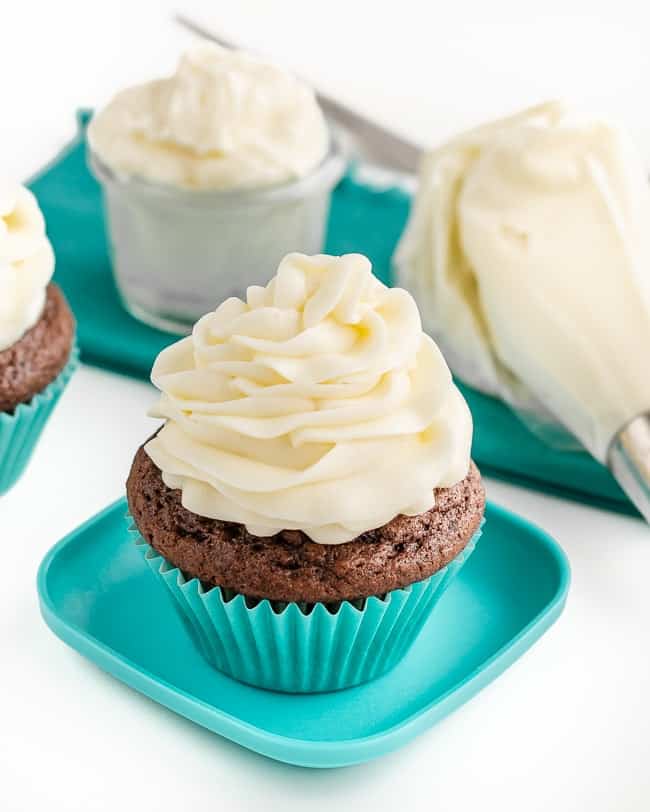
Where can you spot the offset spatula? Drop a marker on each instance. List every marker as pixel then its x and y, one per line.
pixel 379 145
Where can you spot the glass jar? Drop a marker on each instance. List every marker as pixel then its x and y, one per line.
pixel 178 253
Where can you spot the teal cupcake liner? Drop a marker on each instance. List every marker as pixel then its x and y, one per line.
pixel 302 648
pixel 20 430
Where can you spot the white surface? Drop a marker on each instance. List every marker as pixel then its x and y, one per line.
pixel 567 727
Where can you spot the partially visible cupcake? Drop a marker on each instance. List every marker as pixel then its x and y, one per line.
pixel 37 353
pixel 311 493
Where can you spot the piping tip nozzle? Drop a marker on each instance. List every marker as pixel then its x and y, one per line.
pixel 629 461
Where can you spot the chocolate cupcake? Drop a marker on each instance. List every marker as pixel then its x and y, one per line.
pixel 288 566
pixel 37 353
pixel 310 494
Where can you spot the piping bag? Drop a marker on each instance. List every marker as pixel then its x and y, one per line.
pixel 528 251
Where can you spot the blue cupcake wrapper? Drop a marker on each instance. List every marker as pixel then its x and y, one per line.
pixel 19 431
pixel 300 649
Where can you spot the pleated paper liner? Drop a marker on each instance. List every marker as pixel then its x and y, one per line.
pixel 20 430
pixel 302 648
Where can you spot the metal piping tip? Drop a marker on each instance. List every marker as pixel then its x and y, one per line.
pixel 629 460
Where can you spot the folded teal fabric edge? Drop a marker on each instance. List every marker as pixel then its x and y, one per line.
pixel 362 220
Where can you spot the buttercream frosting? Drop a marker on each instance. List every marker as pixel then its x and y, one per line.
pixel 528 251
pixel 223 120
pixel 318 404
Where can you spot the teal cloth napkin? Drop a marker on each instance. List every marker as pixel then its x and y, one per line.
pixel 363 219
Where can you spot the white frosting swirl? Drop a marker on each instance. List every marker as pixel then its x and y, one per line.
pixel 26 262
pixel 318 405
pixel 528 251
pixel 224 120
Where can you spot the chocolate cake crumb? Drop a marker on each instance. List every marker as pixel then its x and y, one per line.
pixel 289 566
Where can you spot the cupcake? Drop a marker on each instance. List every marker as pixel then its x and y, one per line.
pixel 310 494
pixel 36 331
pixel 210 176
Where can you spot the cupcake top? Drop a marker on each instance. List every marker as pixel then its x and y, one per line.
pixel 26 262
pixel 318 404
pixel 224 120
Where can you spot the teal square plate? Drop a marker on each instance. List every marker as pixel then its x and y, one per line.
pixel 97 595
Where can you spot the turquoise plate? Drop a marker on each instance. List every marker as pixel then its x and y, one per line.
pixel 97 595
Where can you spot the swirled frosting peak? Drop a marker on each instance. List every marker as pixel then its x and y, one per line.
pixel 223 120
pixel 318 404
pixel 26 262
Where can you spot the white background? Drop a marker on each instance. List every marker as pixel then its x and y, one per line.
pixel 568 726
